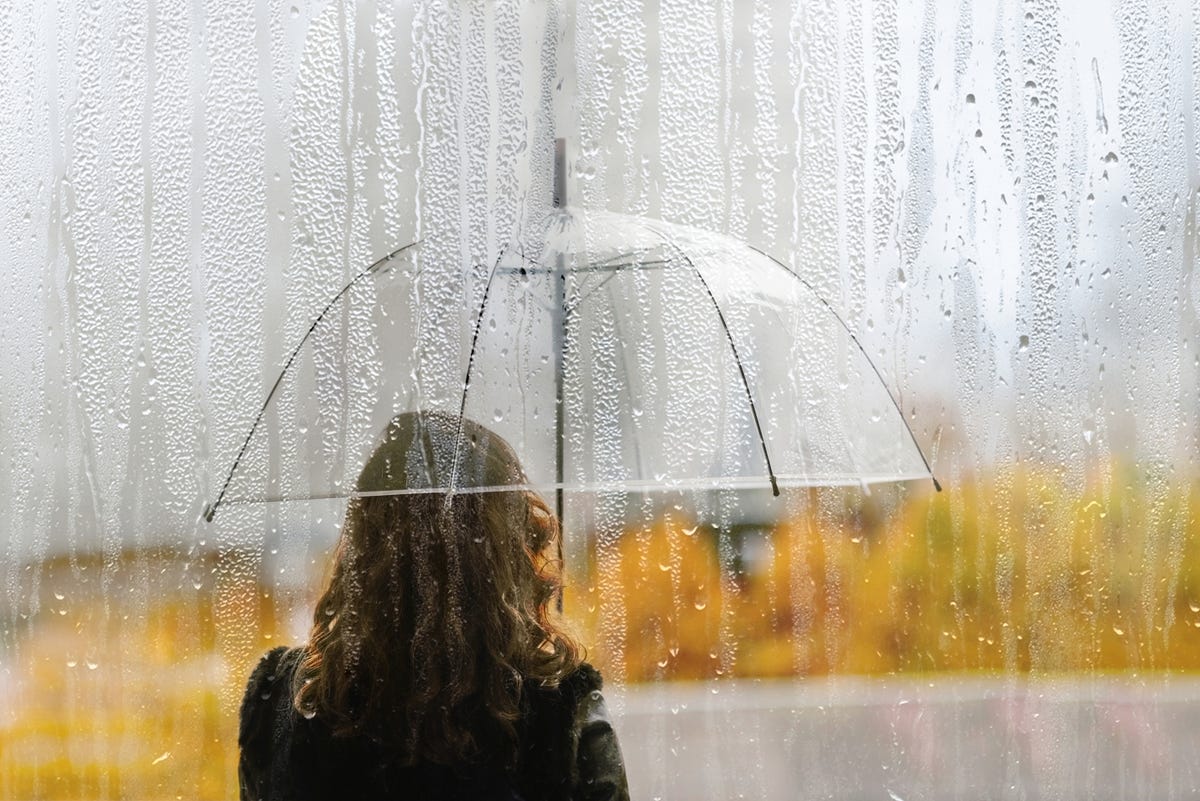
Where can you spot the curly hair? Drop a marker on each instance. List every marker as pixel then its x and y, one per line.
pixel 439 606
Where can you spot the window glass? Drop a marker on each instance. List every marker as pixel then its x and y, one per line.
pixel 995 203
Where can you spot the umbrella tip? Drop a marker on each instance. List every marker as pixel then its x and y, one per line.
pixel 937 485
pixel 209 511
pixel 774 486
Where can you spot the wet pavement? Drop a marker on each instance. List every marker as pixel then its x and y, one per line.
pixel 900 740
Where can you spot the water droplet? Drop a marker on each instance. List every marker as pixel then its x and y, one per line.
pixel 1023 343
pixel 1110 157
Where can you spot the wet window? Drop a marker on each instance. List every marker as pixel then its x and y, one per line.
pixel 854 345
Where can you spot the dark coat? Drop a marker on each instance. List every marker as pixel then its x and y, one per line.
pixel 568 750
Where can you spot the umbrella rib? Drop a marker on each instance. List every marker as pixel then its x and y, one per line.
pixel 581 296
pixel 613 270
pixel 762 440
pixel 900 412
pixel 211 509
pixel 462 405
pixel 612 264
pixel 611 267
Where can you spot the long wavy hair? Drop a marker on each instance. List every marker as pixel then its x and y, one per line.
pixel 439 607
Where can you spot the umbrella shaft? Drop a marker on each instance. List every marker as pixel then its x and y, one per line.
pixel 559 325
pixel 560 339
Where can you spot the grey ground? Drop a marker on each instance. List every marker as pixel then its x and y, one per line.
pixel 903 740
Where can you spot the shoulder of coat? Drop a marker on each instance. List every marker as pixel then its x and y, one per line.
pixel 270 676
pixel 584 680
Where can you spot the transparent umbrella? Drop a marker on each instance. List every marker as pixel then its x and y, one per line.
pixel 612 353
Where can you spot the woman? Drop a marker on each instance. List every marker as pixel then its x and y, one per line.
pixel 434 668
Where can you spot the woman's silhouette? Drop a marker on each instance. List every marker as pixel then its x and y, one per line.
pixel 435 668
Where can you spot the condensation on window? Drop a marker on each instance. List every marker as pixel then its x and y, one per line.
pixel 998 200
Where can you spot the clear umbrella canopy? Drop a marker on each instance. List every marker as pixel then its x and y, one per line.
pixel 611 352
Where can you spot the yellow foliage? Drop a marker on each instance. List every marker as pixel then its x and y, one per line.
pixel 127 680
pixel 1022 570
pixel 130 692
pixel 661 603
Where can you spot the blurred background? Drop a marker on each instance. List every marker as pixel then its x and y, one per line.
pixel 999 197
